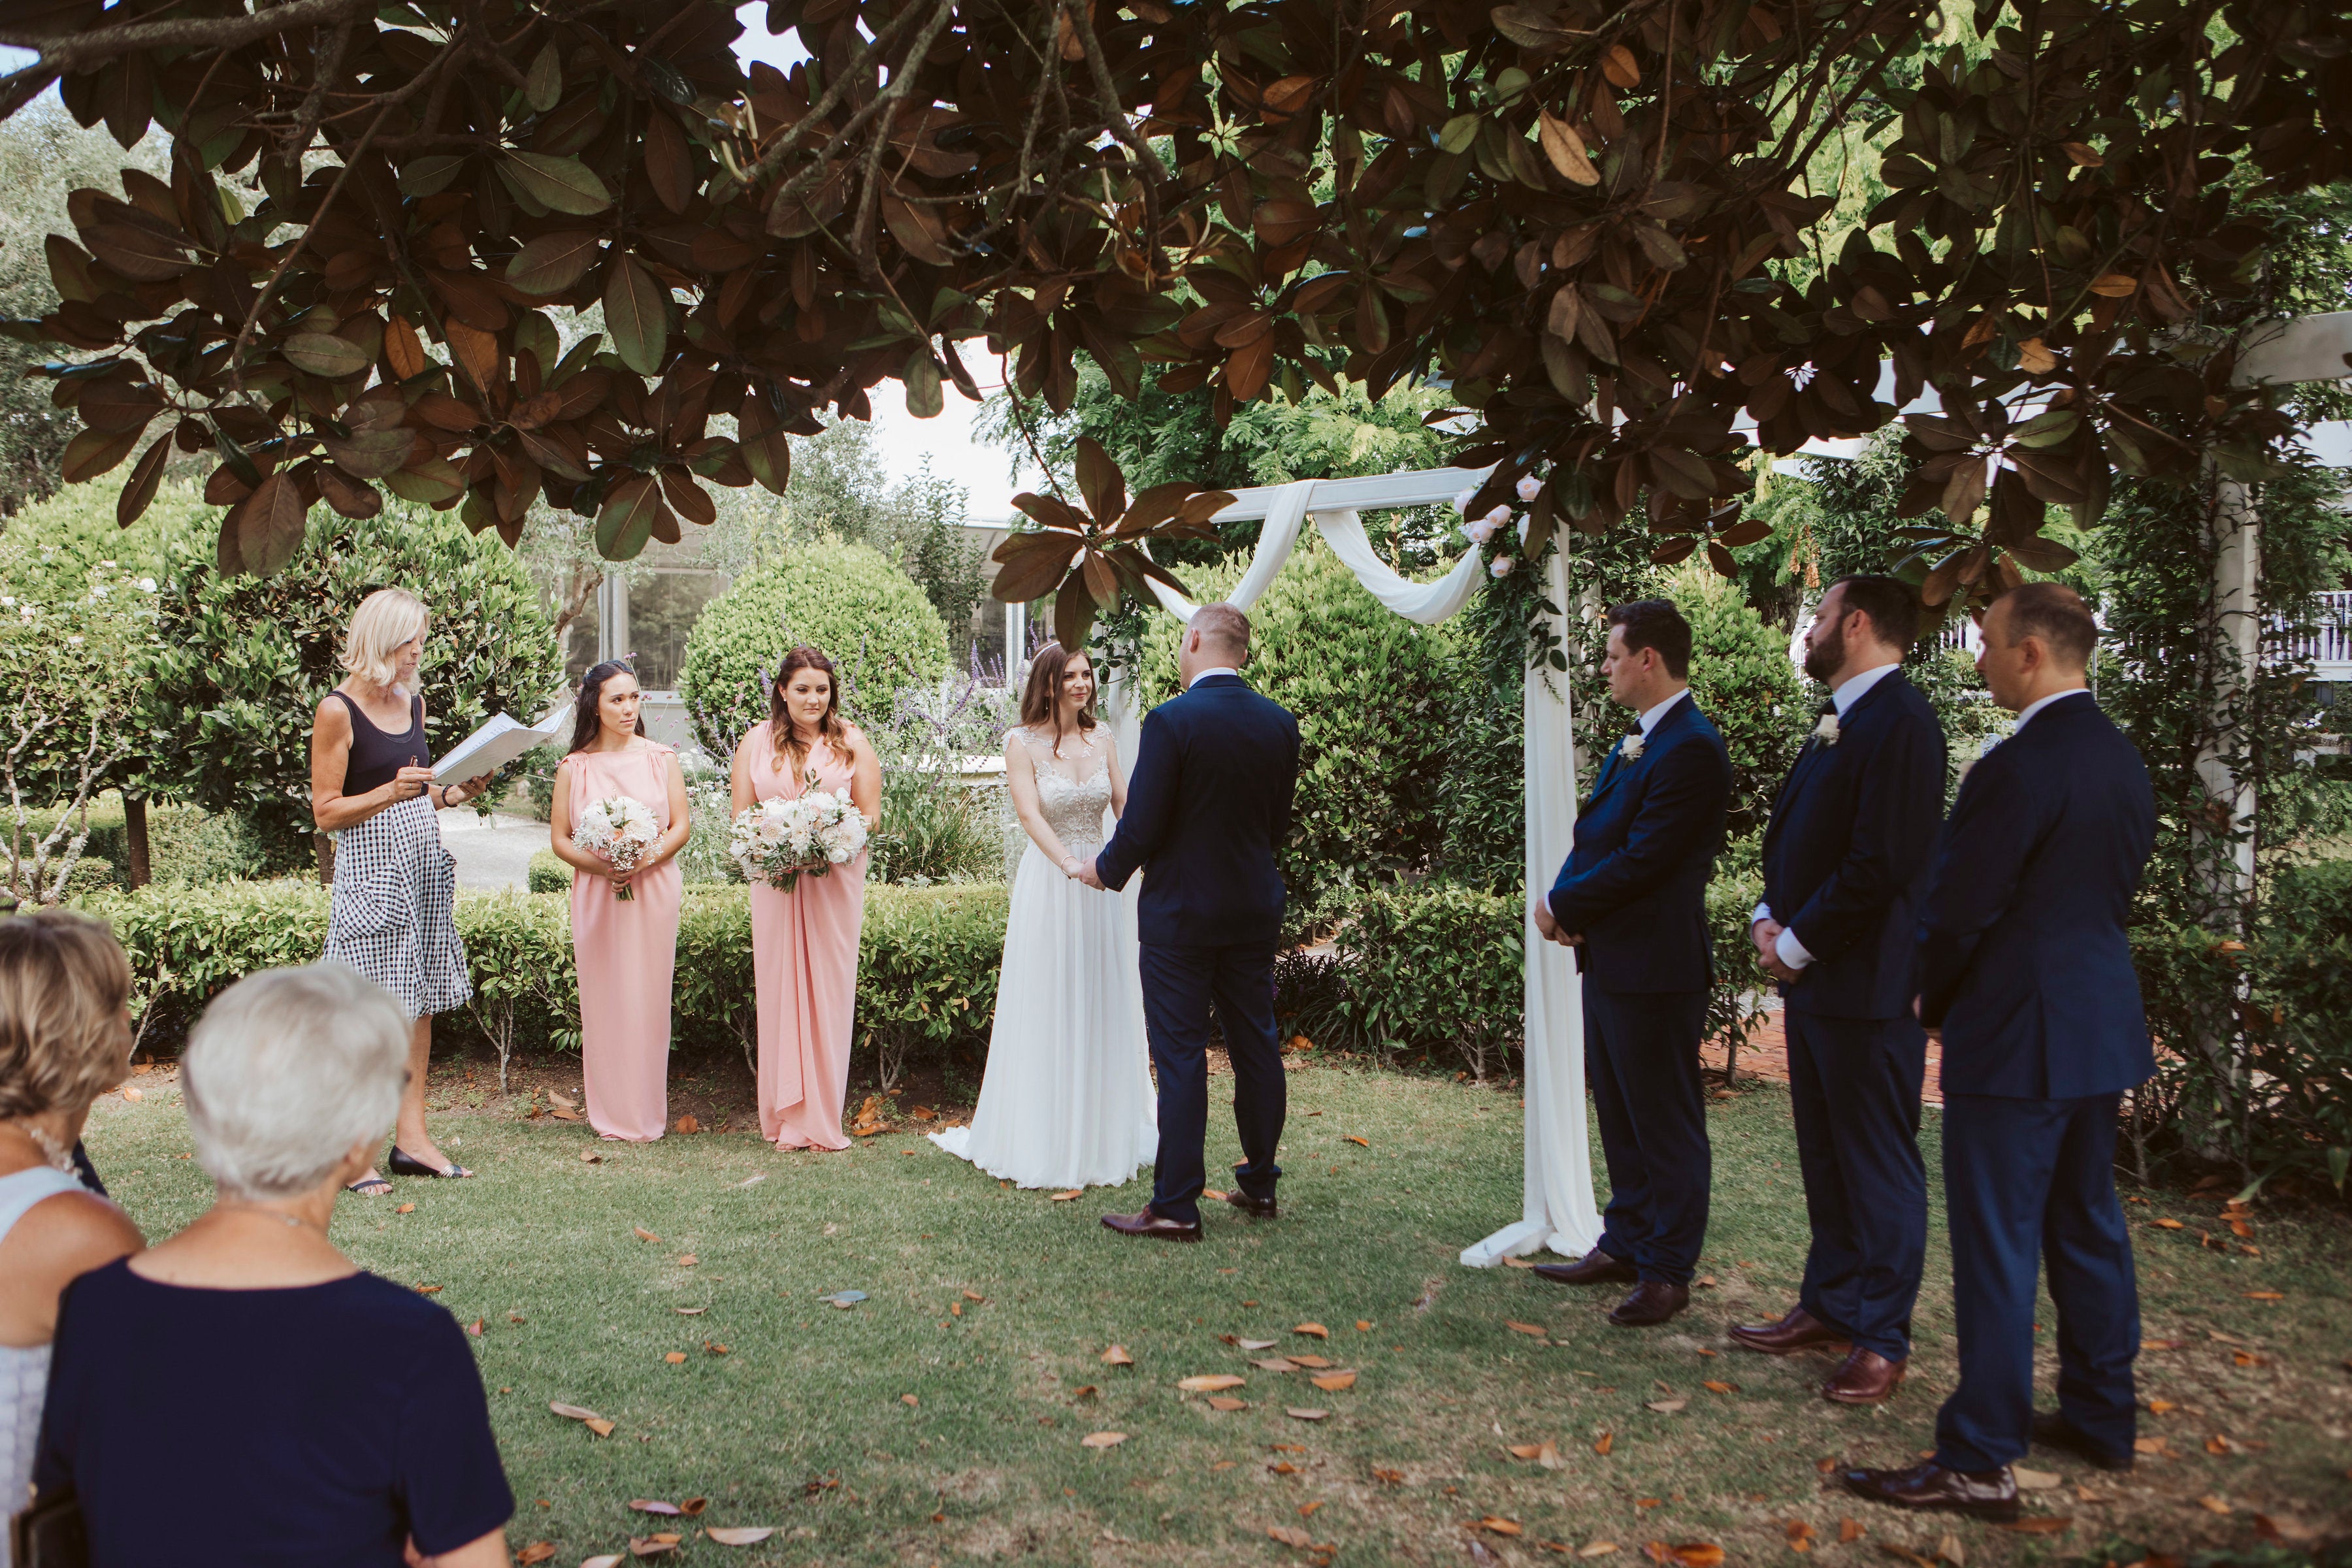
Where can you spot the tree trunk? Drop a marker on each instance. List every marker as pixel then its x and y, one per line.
pixel 326 852
pixel 134 837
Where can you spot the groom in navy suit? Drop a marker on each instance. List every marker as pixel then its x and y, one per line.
pixel 1208 806
pixel 2026 969
pixel 1633 900
pixel 1846 863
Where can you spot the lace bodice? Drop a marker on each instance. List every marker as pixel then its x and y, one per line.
pixel 1072 790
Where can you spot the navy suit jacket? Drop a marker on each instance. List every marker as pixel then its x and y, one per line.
pixel 2023 954
pixel 1207 807
pixel 1847 852
pixel 1635 881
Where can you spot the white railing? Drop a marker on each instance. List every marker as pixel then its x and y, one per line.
pixel 2329 642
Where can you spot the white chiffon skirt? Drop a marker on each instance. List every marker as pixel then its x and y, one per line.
pixel 1066 1101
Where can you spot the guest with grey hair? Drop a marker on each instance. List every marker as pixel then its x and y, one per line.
pixel 343 1419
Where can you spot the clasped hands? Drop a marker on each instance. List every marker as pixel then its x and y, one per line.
pixel 1547 926
pixel 1079 870
pixel 1767 935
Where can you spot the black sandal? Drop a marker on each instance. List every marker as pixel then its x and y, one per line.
pixel 406 1164
pixel 369 1187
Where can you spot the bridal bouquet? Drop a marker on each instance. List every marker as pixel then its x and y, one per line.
pixel 621 831
pixel 775 841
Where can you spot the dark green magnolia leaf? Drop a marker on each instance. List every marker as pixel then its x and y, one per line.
pixel 2040 555
pixel 324 354
pixel 559 184
pixel 371 454
pixel 636 313
pixel 553 262
pixel 269 525
pixel 138 251
pixel 665 79
pixel 139 491
pixel 93 452
pixel 433 481
pixel 626 521
pixel 543 88
pixel 766 449
pixel 924 399
pixel 430 176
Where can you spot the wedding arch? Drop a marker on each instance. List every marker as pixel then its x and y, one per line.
pixel 1557 1207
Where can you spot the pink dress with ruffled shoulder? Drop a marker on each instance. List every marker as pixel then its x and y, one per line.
pixel 626 953
pixel 805 973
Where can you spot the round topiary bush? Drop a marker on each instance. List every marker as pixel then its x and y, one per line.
pixel 867 616
pixel 244 662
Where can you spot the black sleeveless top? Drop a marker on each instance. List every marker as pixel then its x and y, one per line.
pixel 377 758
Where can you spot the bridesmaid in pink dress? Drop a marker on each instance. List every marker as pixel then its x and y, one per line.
pixel 804 941
pixel 625 949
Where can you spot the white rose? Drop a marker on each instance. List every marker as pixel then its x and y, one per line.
pixel 1500 567
pixel 1478 532
pixel 1530 487
pixel 1462 501
pixel 1499 516
pixel 1524 521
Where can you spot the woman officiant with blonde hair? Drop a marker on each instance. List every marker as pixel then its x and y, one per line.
pixel 372 791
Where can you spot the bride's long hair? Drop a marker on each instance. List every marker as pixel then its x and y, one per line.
pixel 1041 699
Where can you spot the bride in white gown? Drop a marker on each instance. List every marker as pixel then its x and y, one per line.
pixel 1066 1101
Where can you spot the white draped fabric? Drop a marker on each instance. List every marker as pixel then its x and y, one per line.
pixel 1558 1210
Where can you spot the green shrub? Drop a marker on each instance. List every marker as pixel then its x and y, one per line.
pixel 935 831
pixel 927 964
pixel 244 661
pixel 1368 689
pixel 869 616
pixel 548 873
pixel 187 846
pixel 1435 969
pixel 1741 675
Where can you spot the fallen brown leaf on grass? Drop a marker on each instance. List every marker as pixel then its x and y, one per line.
pixel 1210 1383
pixel 1889 1549
pixel 1668 1406
pixel 1116 1356
pixel 1316 1362
pixel 1849 1532
pixel 2034 1481
pixel 1296 1414
pixel 910 1401
pixel 675 1358
pixel 405 1208
pixel 644 1235
pixel 1227 1402
pixel 2168 1225
pixel 1365 1142
pixel 975 1296
pixel 714 1348
pixel 2161 1407
pixel 2213 1504
pixel 1801 1535
pixel 1316 1330
pixel 1387 1477
pixel 1596 1549
pixel 1255 1345
pixel 688 1124
pixel 2265 1295
pixel 1334 1382
pixel 1274 1363
pixel 537 1552
pixel 1102 1439
pixel 1308 1510
pixel 1065 1197
pixel 428 1289
pixel 740 1534
pixel 1712 1386
pixel 574 1411
pixel 1290 1535
pixel 1519 1328
pixel 1085 1391
pixel 609 1559
pixel 1641 1504
pixel 590 1157
pixel 1689 1554
pixel 690 1312
pixel 1499 1526
pixel 654 1505
pixel 475 1327
pixel 1606 1441
pixel 687 1261
pixel 2044 1524
pixel 654 1545
pixel 1282 1467
pixel 2152 1447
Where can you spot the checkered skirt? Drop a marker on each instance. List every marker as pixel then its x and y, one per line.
pixel 390 915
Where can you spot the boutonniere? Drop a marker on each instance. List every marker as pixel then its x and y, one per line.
pixel 1629 747
pixel 1826 731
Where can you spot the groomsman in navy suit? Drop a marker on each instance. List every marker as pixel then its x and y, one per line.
pixel 1845 862
pixel 2025 968
pixel 1633 900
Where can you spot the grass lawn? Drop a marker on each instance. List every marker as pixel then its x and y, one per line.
pixel 940 1419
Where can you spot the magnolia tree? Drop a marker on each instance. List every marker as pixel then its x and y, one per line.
pixel 1607 225
pixel 70 658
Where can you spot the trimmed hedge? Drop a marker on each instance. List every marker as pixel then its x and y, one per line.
pixel 1435 969
pixel 926 975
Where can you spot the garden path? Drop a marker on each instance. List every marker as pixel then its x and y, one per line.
pixel 491 851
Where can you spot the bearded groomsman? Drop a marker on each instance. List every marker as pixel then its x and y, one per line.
pixel 2025 966
pixel 1633 899
pixel 1845 861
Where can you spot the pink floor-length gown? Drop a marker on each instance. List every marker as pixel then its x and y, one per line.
pixel 805 973
pixel 626 953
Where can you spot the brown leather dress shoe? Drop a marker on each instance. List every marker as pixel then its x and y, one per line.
pixel 1799 1330
pixel 1595 1267
pixel 1262 1207
pixel 1652 1302
pixel 1866 1378
pixel 2052 1430
pixel 1152 1224
pixel 1989 1494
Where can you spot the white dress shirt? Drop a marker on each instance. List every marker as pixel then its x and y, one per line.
pixel 1650 716
pixel 1847 692
pixel 2026 714
pixel 1221 670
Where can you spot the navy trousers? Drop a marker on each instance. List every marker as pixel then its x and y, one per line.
pixel 1641 1068
pixel 1180 984
pixel 2026 1183
pixel 1854 1085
